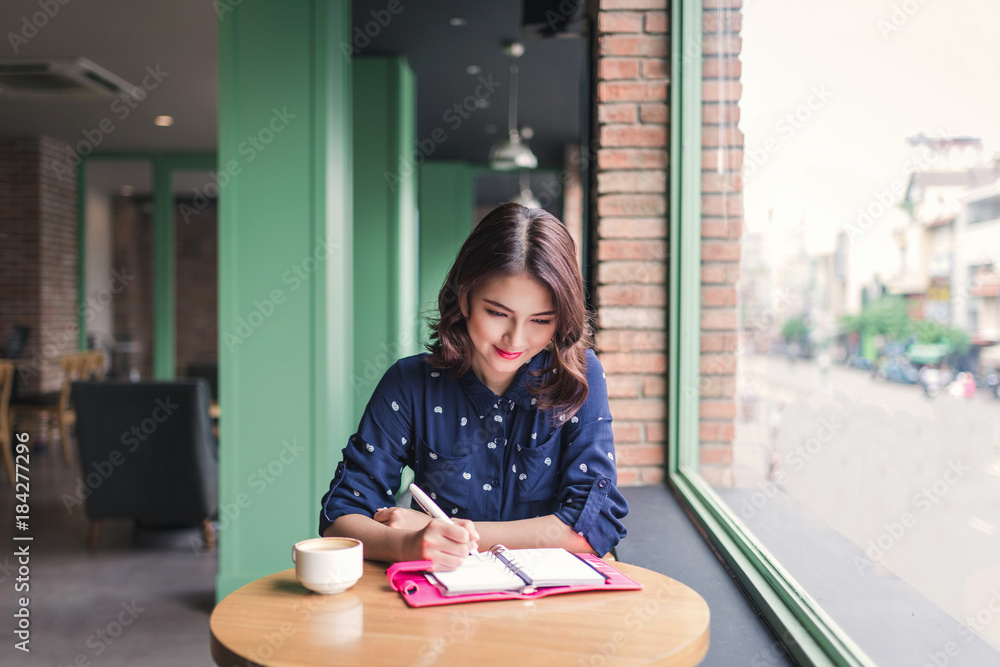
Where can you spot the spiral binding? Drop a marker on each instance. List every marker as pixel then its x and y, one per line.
pixel 502 555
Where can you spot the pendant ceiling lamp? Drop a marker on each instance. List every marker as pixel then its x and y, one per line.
pixel 512 152
pixel 526 197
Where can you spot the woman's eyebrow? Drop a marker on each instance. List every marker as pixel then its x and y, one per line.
pixel 500 305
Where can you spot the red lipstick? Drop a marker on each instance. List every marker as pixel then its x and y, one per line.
pixel 507 355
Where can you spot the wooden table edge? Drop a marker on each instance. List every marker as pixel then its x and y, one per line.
pixel 696 649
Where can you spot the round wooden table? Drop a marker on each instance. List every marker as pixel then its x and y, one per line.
pixel 275 621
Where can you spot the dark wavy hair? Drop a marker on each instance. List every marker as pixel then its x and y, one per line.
pixel 513 240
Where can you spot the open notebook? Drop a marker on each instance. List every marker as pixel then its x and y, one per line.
pixel 502 569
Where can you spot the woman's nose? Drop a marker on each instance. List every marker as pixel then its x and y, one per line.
pixel 515 337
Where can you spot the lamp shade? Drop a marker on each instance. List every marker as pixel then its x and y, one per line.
pixel 512 153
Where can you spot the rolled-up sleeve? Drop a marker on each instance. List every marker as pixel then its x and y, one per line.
pixel 368 477
pixel 591 503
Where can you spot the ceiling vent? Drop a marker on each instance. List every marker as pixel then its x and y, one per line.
pixel 71 77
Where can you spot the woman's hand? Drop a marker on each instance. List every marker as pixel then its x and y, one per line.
pixel 401 517
pixel 445 544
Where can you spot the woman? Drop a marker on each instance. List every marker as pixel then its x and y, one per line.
pixel 505 422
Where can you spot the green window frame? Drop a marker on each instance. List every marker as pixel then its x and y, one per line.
pixel 805 631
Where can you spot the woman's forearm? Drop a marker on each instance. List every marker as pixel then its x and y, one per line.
pixel 381 542
pixel 543 531
pixel 390 545
pixel 444 543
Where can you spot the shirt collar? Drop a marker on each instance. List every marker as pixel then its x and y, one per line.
pixel 483 397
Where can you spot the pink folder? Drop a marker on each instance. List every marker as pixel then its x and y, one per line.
pixel 408 578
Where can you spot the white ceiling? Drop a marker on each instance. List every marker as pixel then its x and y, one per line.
pixel 125 37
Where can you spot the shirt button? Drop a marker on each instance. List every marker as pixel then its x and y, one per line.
pixel 500 441
pixel 496 482
pixel 603 483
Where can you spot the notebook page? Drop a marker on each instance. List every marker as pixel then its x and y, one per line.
pixel 479 573
pixel 555 567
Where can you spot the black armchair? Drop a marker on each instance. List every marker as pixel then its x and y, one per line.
pixel 147 453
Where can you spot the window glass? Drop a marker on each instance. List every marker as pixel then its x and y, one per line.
pixel 849 378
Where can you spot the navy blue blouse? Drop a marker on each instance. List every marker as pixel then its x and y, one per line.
pixel 483 457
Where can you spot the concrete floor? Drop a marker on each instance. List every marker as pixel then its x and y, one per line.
pixel 142 598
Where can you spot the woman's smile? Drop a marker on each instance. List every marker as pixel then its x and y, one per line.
pixel 509 319
pixel 507 355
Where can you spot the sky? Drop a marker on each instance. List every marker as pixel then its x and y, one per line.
pixel 862 76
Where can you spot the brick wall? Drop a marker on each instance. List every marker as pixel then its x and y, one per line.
pixel 38 262
pixel 196 288
pixel 632 116
pixel 58 257
pixel 632 73
pixel 722 224
pixel 195 283
pixel 20 246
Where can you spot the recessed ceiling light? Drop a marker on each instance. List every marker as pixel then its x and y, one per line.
pixel 126 190
pixel 164 121
pixel 482 103
pixel 457 22
pixel 473 69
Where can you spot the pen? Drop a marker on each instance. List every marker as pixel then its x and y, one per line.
pixel 430 506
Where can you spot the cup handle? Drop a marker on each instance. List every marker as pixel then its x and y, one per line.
pixel 293 554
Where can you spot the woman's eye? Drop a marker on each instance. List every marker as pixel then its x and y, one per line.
pixel 543 322
pixel 495 313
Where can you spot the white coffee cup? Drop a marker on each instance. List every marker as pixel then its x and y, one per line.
pixel 328 564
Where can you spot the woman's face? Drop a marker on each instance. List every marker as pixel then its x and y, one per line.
pixel 510 320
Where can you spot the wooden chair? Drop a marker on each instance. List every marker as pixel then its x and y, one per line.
pixel 77 366
pixel 6 386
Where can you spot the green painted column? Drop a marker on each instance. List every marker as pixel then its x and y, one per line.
pixel 447 215
pixel 386 304
pixel 285 275
pixel 164 262
pixel 165 257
